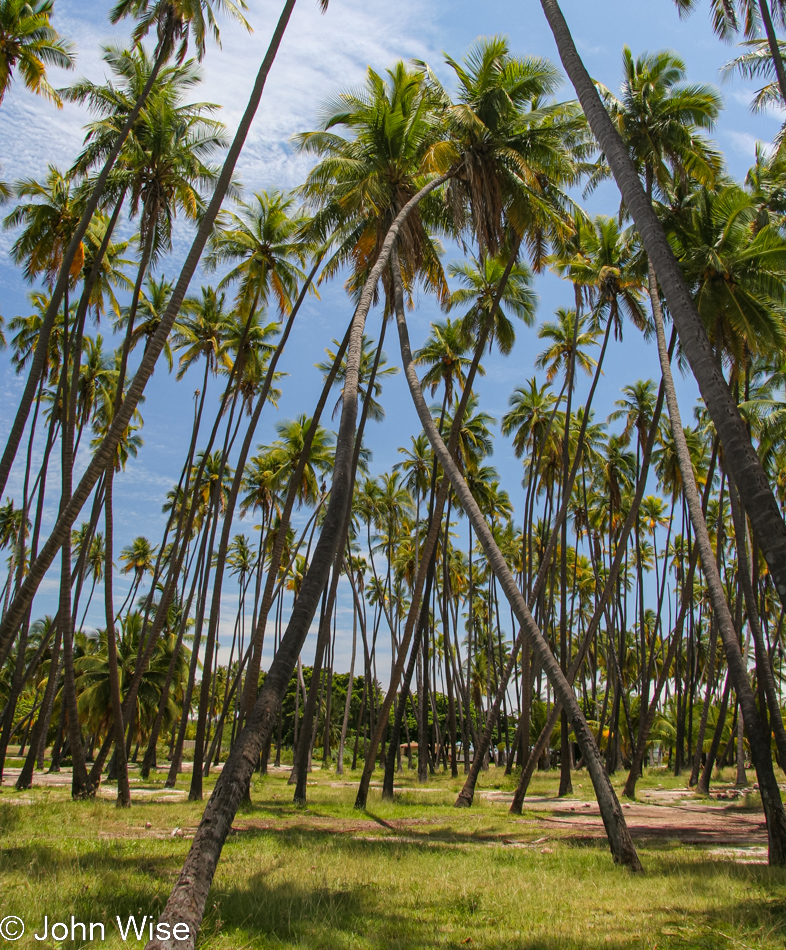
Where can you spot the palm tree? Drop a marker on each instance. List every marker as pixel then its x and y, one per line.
pixel 29 43
pixel 737 279
pixel 444 355
pixel 489 296
pixel 178 21
pixel 174 19
pixel 138 559
pixel 514 147
pixel 726 24
pixel 757 497
pixel 363 180
pixel 283 456
pixel 262 240
pixel 48 220
pixel 367 361
pixel 567 341
pixel 619 837
pixel 660 118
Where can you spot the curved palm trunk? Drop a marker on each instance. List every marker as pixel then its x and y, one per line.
pixel 186 903
pixel 758 739
pixel 741 458
pixel 153 349
pixel 621 844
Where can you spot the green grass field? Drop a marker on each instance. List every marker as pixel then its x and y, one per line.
pixel 409 874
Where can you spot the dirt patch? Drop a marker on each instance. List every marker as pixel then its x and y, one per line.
pixel 688 823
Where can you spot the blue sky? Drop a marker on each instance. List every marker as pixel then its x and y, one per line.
pixel 320 55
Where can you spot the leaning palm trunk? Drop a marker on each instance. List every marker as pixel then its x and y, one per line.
pixel 755 491
pixel 757 737
pixel 622 847
pixel 187 901
pixel 152 351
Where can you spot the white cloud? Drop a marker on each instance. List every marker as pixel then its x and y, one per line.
pixel 743 143
pixel 318 55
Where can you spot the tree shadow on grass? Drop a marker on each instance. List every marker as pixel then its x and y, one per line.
pixel 287 914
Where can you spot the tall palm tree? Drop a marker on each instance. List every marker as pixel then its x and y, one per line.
pixel 375 146
pixel 175 19
pixel 619 837
pixel 28 44
pixel 261 239
pixel 757 497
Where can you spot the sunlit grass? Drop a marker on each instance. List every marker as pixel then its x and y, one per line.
pixel 412 873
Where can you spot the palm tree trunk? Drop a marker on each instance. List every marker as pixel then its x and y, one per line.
pixel 774 45
pixel 763 664
pixel 187 901
pixel 622 847
pixel 759 741
pixel 153 349
pixel 755 491
pixel 258 637
pixel 348 701
pixel 121 763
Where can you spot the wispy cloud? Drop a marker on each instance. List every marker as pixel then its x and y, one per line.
pixel 319 54
pixel 743 143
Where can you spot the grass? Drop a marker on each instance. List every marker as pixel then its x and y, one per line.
pixel 413 873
